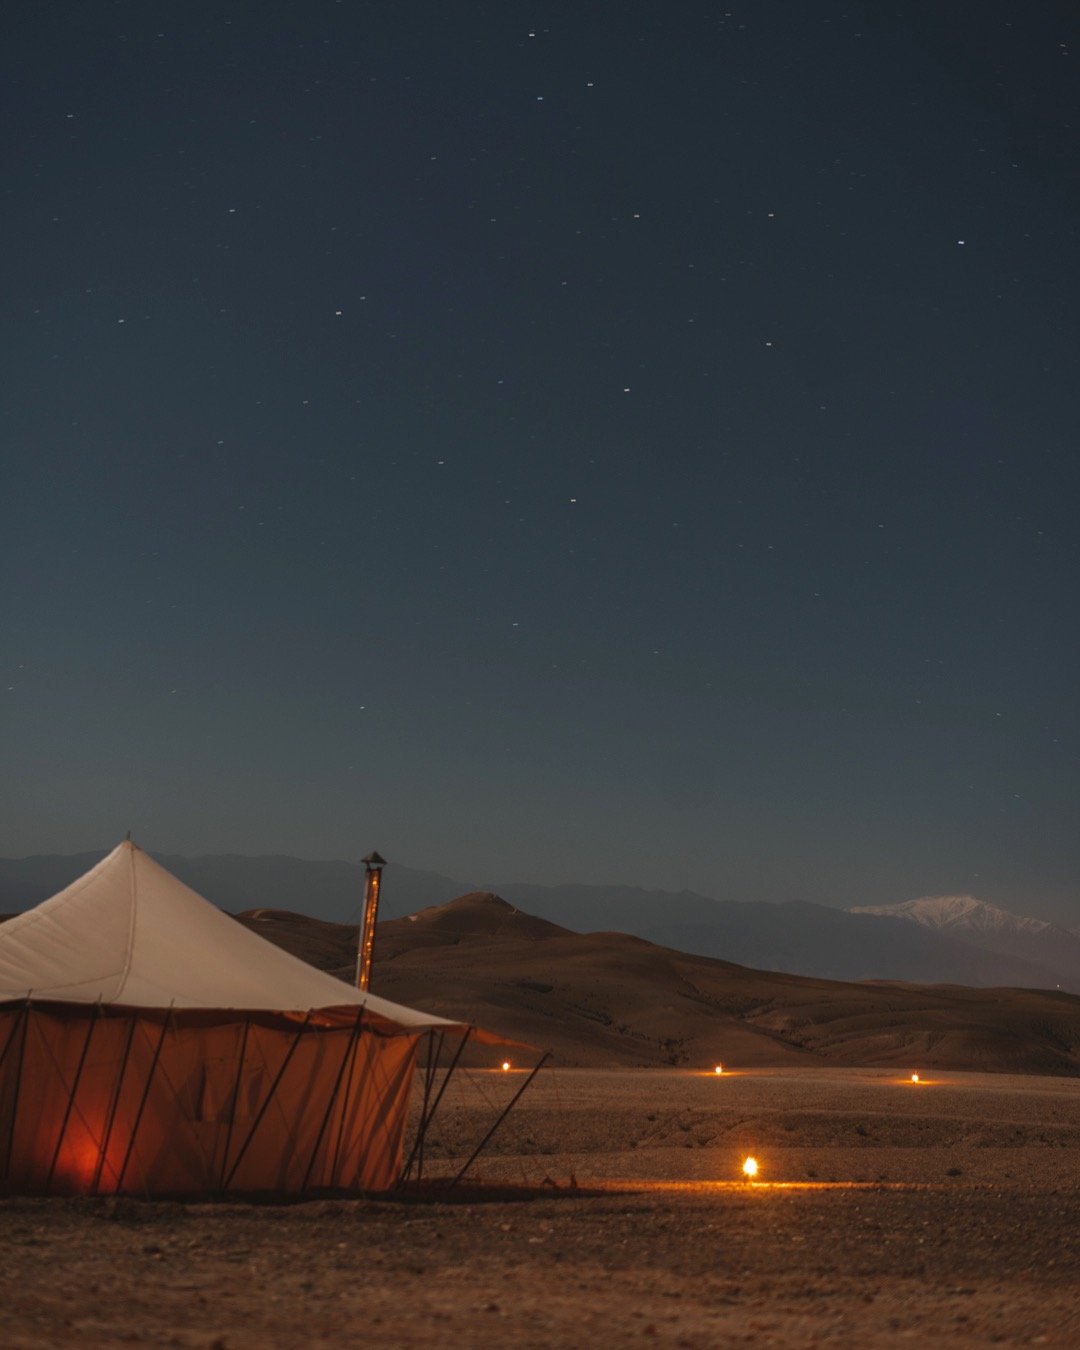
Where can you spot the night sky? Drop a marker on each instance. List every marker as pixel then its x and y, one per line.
pixel 554 441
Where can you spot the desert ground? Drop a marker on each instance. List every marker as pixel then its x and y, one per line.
pixel 610 1208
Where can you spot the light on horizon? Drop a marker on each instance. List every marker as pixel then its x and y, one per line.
pixel 750 1168
pixel 506 1066
pixel 719 1069
pixel 914 1077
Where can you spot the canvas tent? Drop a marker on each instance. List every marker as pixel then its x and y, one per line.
pixel 152 1045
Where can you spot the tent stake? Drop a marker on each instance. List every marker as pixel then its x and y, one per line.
pixel 483 1142
pixel 350 1049
pixel 71 1096
pixel 106 1138
pixel 142 1103
pixel 267 1100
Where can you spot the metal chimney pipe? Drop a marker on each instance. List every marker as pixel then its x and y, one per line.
pixel 373 866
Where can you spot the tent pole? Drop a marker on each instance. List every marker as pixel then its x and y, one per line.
pixel 341 1124
pixel 350 1047
pixel 483 1142
pixel 429 1075
pixel 25 1015
pixel 16 1027
pixel 267 1100
pixel 234 1102
pixel 71 1096
pixel 429 1079
pixel 438 1098
pixel 145 1095
pixel 113 1107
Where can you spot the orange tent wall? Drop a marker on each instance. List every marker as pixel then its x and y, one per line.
pixel 106 1100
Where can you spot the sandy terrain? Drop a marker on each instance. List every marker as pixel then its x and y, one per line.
pixel 963 1229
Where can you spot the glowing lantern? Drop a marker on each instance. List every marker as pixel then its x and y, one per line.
pixel 914 1077
pixel 506 1066
pixel 719 1069
pixel 749 1168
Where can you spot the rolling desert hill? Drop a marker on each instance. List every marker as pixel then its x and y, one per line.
pixel 611 999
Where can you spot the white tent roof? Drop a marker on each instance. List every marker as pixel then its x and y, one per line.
pixel 130 933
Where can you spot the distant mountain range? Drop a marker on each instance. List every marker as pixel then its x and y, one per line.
pixel 993 930
pixel 935 940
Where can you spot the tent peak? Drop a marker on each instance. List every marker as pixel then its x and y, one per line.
pixel 131 934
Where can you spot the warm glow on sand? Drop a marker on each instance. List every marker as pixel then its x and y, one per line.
pixel 914 1077
pixel 506 1066
pixel 749 1168
pixel 719 1069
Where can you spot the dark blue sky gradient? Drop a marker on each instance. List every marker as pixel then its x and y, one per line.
pixel 645 450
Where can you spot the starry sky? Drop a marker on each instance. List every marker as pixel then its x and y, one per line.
pixel 555 441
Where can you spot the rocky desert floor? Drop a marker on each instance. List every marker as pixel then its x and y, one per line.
pixel 610 1209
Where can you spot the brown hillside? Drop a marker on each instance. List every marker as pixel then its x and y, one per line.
pixel 609 999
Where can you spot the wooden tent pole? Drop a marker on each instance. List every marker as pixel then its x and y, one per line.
pixel 267 1100
pixel 350 1048
pixel 16 1027
pixel 18 1085
pixel 145 1095
pixel 71 1095
pixel 426 1121
pixel 429 1074
pixel 335 1166
pixel 234 1102
pixel 107 1136
pixel 429 1078
pixel 483 1142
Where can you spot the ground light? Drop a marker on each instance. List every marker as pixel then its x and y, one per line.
pixel 914 1077
pixel 719 1069
pixel 750 1168
pixel 506 1066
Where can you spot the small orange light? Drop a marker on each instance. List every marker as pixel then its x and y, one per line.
pixel 914 1077
pixel 506 1066
pixel 750 1168
pixel 719 1069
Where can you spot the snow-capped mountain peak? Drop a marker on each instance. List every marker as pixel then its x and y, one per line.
pixel 958 912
